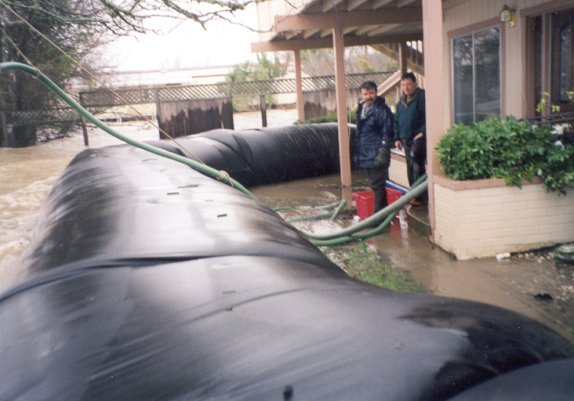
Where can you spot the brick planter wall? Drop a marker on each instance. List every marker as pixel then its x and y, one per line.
pixel 485 217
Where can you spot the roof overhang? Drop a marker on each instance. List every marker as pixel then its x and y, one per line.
pixel 362 22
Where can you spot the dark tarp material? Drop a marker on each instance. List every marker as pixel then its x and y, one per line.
pixel 149 281
pixel 266 155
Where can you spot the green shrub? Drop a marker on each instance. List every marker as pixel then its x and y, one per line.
pixel 506 148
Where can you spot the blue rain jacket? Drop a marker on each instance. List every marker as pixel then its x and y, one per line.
pixel 374 131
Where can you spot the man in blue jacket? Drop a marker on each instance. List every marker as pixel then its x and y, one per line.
pixel 410 129
pixel 373 141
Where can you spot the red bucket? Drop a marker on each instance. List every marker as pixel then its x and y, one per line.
pixel 364 203
pixel 393 195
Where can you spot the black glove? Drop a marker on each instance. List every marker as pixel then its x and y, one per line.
pixel 383 159
pixel 418 150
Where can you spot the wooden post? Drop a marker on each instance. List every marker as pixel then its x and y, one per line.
pixel 4 128
pixel 299 87
pixel 263 108
pixel 403 57
pixel 83 122
pixel 158 112
pixel 85 132
pixel 435 83
pixel 343 122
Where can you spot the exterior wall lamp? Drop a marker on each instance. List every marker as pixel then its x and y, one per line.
pixel 507 15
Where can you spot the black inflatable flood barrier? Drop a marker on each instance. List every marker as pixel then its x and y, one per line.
pixel 149 281
pixel 267 155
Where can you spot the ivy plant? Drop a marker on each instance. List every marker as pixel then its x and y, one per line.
pixel 504 147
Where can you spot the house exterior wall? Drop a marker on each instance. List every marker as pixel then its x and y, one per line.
pixel 485 217
pixel 462 16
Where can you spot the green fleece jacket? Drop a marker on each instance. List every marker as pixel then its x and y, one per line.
pixel 410 117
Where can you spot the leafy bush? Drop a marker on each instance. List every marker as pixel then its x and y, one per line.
pixel 506 148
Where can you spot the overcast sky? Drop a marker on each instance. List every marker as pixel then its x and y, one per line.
pixel 187 44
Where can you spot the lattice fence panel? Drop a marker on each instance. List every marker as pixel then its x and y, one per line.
pixel 119 97
pixel 175 93
pixel 105 97
pixel 47 116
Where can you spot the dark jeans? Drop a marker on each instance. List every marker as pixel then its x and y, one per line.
pixel 377 178
pixel 416 160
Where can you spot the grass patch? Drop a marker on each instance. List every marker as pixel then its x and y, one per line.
pixel 366 265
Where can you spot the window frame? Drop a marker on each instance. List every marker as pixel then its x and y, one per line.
pixel 547 68
pixel 472 31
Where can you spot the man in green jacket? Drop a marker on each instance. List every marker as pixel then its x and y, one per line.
pixel 410 129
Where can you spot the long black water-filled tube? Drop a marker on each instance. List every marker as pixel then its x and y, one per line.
pixel 147 280
pixel 264 156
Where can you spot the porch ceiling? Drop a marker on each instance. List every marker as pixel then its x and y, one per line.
pixel 362 22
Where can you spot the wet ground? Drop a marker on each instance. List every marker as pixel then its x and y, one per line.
pixel 528 284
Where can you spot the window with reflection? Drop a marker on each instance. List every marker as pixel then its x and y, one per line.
pixel 564 48
pixel 476 75
pixel 551 51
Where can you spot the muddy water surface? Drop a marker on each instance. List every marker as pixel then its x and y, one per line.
pixel 27 176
